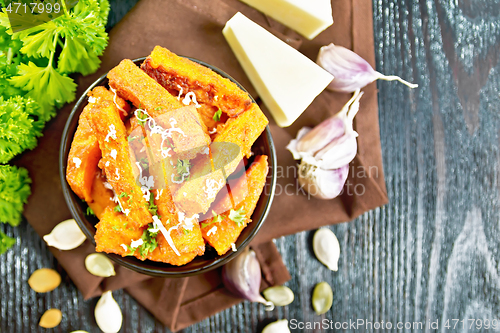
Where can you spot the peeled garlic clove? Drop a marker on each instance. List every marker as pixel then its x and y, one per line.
pixel 67 235
pixel 108 314
pixel 350 71
pixel 320 183
pixel 322 298
pixel 44 280
pixel 51 318
pixel 327 248
pixel 242 276
pixel 279 326
pixel 99 265
pixel 279 295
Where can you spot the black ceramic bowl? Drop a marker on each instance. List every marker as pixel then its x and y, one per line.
pixel 210 260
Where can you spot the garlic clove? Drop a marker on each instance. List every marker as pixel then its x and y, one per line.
pixel 336 154
pixel 242 276
pixel 322 298
pixel 279 295
pixel 292 146
pixel 44 280
pixel 51 318
pixel 107 313
pixel 279 326
pixel 350 71
pixel 99 265
pixel 67 235
pixel 322 134
pixel 326 247
pixel 320 183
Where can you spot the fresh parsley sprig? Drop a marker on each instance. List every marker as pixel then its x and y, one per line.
pixel 238 216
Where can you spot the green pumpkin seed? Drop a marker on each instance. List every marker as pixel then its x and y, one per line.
pixel 99 265
pixel 322 298
pixel 279 295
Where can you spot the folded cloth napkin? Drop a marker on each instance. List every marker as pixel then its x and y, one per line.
pixel 193 28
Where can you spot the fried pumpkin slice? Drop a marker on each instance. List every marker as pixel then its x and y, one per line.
pixel 102 196
pixel 207 178
pixel 85 154
pixel 183 239
pixel 132 84
pixel 221 235
pixel 243 130
pixel 117 162
pixel 182 76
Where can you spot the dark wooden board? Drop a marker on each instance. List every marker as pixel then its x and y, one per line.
pixel 430 254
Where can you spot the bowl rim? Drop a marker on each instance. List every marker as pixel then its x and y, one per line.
pixel 152 271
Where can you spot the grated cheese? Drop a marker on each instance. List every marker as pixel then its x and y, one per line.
pixel 77 162
pixel 111 133
pixel 233 246
pixel 212 231
pixel 113 153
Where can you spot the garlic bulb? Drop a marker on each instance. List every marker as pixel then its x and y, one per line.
pixel 320 183
pixel 67 235
pixel 326 151
pixel 108 314
pixel 242 276
pixel 350 71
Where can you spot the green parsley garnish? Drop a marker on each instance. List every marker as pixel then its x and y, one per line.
pixel 182 170
pixel 115 227
pixel 216 219
pixel 142 117
pixel 90 212
pixel 158 108
pixel 153 209
pixel 117 209
pixel 217 115
pixel 186 231
pixel 149 239
pixel 123 194
pixel 14 193
pixel 6 242
pixel 238 216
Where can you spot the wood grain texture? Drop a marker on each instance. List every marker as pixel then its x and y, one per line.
pixel 431 254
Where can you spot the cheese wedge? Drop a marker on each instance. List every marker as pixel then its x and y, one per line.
pixel 307 17
pixel 285 79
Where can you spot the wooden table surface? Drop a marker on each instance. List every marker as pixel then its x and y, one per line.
pixel 432 254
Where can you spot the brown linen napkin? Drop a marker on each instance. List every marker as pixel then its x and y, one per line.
pixel 193 28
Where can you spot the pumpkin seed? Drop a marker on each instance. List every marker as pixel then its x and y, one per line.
pixel 67 235
pixel 44 280
pixel 279 326
pixel 326 248
pixel 99 265
pixel 322 298
pixel 79 332
pixel 279 295
pixel 51 318
pixel 108 314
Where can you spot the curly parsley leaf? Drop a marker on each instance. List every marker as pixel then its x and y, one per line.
pixel 18 126
pixel 6 242
pixel 238 216
pixel 149 241
pixel 14 193
pixel 90 211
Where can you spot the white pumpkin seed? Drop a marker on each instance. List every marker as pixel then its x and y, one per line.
pixel 108 314
pixel 322 298
pixel 67 235
pixel 280 326
pixel 51 318
pixel 279 295
pixel 44 280
pixel 99 265
pixel 327 248
pixel 79 332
